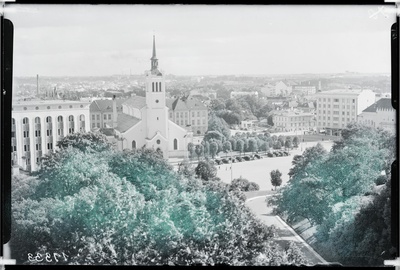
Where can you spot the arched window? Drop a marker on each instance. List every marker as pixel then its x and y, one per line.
pixel 81 117
pixel 159 86
pixel 175 144
pixel 133 144
pixel 13 121
pixel 25 120
pixel 152 86
pixel 71 118
pixel 48 119
pixel 59 119
pixel 37 120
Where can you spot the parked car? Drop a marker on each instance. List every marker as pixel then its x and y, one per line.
pixel 224 160
pixel 258 156
pixel 239 159
pixel 247 158
pixel 270 154
pixel 218 161
pixel 286 153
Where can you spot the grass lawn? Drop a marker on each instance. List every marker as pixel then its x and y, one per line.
pixel 258 170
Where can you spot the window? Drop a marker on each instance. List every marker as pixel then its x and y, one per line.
pixel 93 117
pixel 336 106
pixel 38 146
pixel 37 133
pixel 198 114
pixel 192 114
pixel 152 86
pixel 348 119
pixel 348 113
pixel 329 105
pixel 50 146
pixel 49 133
pixel 324 106
pixel 71 130
pixel 159 86
pixel 133 144
pixel 59 119
pixel 335 118
pixel 48 119
pixel 158 141
pixel 93 125
pixel 71 118
pixel 26 134
pixel 354 101
pixel 98 117
pixel 342 113
pixel 192 122
pixel 329 100
pixel 105 117
pixel 204 121
pixel 37 120
pixel 329 118
pixel 109 116
pixel 198 121
pixel 98 125
pixel 59 131
pixel 177 115
pixel 175 144
pixel 336 100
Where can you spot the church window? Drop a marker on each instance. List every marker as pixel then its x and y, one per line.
pixel 175 144
pixel 48 119
pixel 152 86
pixel 156 87
pixel 159 86
pixel 133 144
pixel 158 141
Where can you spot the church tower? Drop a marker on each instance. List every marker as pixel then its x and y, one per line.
pixel 157 111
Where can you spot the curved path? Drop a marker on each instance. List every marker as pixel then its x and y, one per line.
pixel 284 233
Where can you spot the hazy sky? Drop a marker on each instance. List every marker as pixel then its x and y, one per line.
pixel 91 40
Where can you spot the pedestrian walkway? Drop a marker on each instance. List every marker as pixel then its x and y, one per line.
pixel 284 233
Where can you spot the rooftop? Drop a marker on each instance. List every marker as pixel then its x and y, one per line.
pixel 135 102
pixel 185 103
pixel 343 91
pixel 48 102
pixel 105 105
pixel 383 103
pixel 125 122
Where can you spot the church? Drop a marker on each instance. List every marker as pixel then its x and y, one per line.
pixel 144 120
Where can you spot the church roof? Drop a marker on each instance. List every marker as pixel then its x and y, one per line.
pixel 125 122
pixel 137 102
pixel 105 105
pixel 383 103
pixel 186 103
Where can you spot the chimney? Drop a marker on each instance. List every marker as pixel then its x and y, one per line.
pixel 115 114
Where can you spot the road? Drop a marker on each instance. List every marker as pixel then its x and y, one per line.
pixel 284 232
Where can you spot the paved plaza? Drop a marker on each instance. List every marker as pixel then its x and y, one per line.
pixel 258 170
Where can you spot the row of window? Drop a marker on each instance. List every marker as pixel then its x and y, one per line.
pixel 292 119
pixel 48 107
pixel 25 120
pixel 344 100
pixel 105 116
pixel 336 106
pixel 335 112
pixel 156 86
pixel 335 118
pixel 185 114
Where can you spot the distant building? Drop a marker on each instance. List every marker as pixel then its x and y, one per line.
pixel 283 88
pixel 190 113
pixel 293 120
pixel 248 124
pixel 268 90
pixel 380 115
pixel 337 108
pixel 208 93
pixel 38 125
pixel 101 112
pixel 235 94
pixel 305 89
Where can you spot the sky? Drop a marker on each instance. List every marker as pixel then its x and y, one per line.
pixel 102 40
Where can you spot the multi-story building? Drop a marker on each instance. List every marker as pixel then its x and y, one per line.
pixel 380 115
pixel 293 120
pixel 305 89
pixel 38 125
pixel 337 108
pixel 235 94
pixel 101 112
pixel 190 113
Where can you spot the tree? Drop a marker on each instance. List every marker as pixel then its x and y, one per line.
pixel 213 135
pixel 253 147
pixel 213 149
pixel 85 141
pixel 296 142
pixel 277 145
pixel 227 147
pixel 288 143
pixel 206 170
pixel 233 143
pixel 240 146
pixel 243 184
pixel 216 123
pixel 206 145
pixel 199 150
pixel 186 169
pixel 217 104
pixel 191 149
pixel 276 179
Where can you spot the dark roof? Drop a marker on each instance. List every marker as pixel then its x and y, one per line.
pixel 136 102
pixel 186 103
pixel 105 105
pixel 125 122
pixel 107 131
pixel 383 103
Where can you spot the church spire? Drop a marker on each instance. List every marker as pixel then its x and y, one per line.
pixel 154 60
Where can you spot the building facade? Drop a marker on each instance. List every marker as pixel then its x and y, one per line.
pixel 337 108
pixel 144 121
pixel 235 94
pixel 305 89
pixel 189 113
pixel 101 112
pixel 38 125
pixel 380 115
pixel 292 121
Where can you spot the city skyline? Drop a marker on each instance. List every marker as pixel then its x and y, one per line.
pixel 199 40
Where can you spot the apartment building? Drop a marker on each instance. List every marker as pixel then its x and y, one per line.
pixel 339 107
pixel 293 120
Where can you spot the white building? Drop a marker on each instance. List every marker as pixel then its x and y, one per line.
pixel 38 125
pixel 305 89
pixel 144 121
pixel 337 108
pixel 235 94
pixel 293 120
pixel 380 115
pixel 283 88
